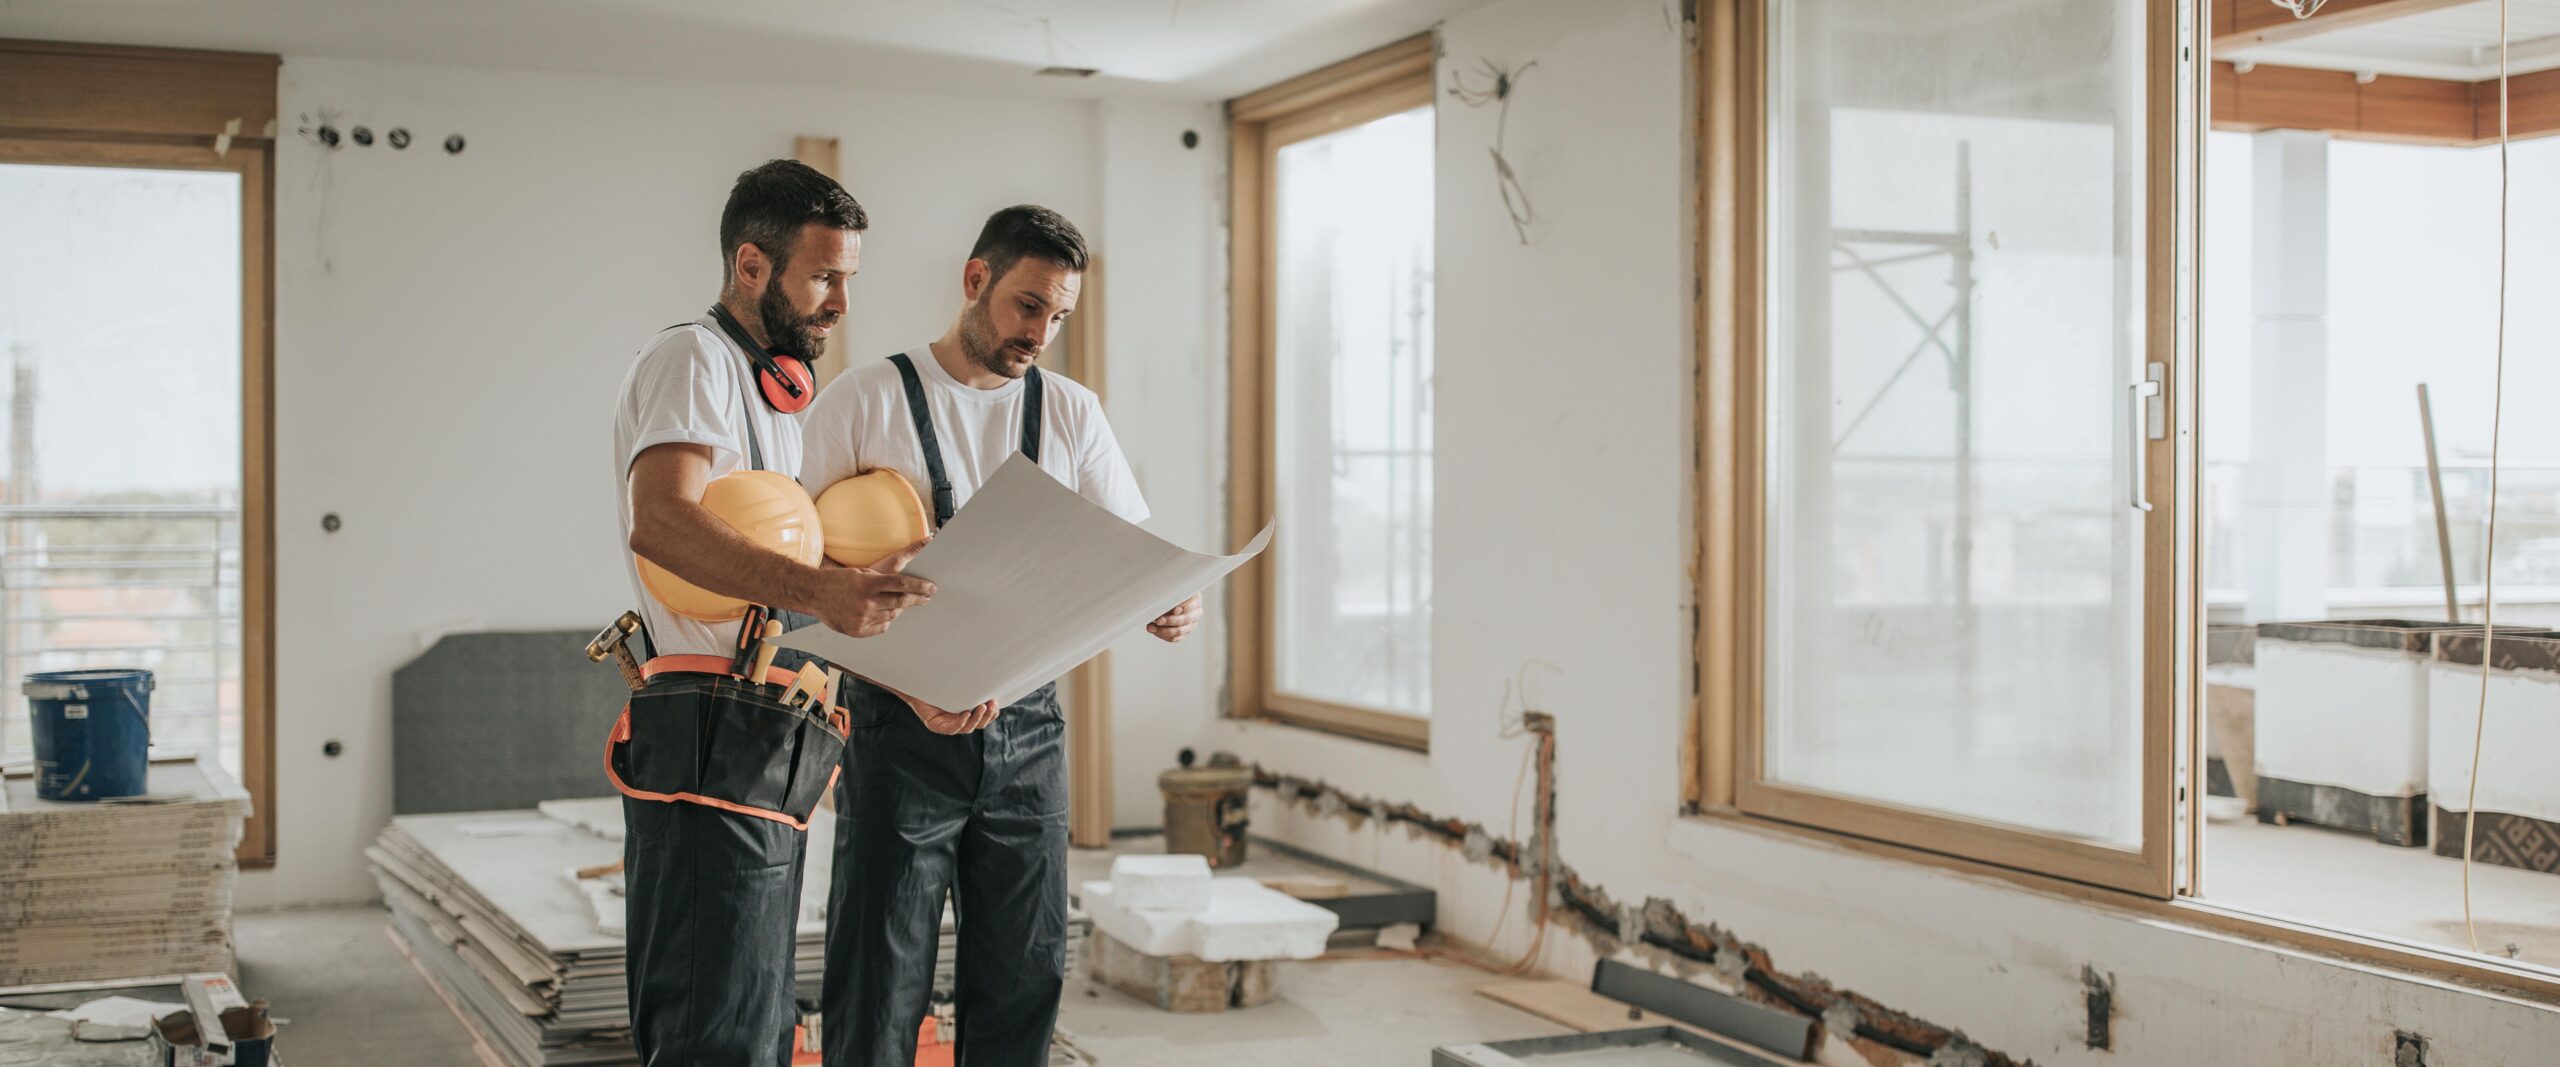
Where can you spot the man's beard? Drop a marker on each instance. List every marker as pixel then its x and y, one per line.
pixel 978 341
pixel 788 331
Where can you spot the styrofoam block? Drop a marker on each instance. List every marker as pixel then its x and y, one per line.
pixel 1247 920
pixel 2523 731
pixel 1154 933
pixel 2331 714
pixel 1178 882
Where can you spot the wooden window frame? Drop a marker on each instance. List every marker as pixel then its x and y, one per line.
pixel 65 104
pixel 1384 82
pixel 1729 130
pixel 1090 814
pixel 1726 753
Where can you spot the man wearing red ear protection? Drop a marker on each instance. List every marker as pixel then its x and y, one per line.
pixel 713 887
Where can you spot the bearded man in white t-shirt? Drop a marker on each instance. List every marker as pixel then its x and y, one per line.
pixel 713 879
pixel 974 808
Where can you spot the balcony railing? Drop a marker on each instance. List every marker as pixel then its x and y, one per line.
pixel 152 586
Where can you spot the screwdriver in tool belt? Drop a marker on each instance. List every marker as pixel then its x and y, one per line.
pixel 749 629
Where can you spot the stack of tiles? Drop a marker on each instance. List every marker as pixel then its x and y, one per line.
pixel 530 955
pixel 102 890
pixel 489 905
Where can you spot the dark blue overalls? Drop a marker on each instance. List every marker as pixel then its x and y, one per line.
pixel 980 817
pixel 718 780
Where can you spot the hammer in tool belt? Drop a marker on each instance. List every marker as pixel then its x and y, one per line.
pixel 615 641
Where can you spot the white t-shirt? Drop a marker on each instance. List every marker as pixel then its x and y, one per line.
pixel 693 384
pixel 860 422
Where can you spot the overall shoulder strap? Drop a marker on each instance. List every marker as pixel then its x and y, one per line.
pixel 755 444
pixel 1031 414
pixel 922 415
pixel 747 412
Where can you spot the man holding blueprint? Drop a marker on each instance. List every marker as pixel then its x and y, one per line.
pixel 968 800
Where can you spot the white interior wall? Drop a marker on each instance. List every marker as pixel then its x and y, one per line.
pixel 1567 366
pixel 451 329
pixel 1165 354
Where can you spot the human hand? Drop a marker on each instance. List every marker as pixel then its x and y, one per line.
pixel 863 601
pixel 950 723
pixel 1177 624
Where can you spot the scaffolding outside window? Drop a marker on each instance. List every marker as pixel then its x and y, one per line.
pixel 1953 574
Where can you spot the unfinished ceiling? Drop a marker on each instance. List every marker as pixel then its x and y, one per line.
pixel 2413 71
pixel 1185 49
pixel 2457 41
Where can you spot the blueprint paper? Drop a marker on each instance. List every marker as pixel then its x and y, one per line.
pixel 1030 580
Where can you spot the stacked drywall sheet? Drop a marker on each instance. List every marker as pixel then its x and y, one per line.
pixel 532 956
pixel 490 905
pixel 101 890
pixel 602 816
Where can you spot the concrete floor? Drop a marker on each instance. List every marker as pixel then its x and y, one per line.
pixel 1346 1013
pixel 345 994
pixel 351 998
pixel 2351 882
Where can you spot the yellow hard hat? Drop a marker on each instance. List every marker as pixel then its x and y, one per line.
pixel 869 516
pixel 771 510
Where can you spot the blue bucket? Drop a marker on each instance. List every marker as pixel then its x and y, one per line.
pixel 92 733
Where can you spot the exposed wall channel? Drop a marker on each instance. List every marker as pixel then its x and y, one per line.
pixel 1656 930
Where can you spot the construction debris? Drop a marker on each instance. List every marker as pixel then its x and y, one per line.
pixel 1656 925
pixel 1310 886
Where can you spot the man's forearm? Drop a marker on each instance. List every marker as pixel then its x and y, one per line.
pixel 687 539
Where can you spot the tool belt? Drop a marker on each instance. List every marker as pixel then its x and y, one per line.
pixel 699 734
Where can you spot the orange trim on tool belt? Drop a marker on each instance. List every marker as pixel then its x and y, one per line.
pixel 718 665
pixel 708 665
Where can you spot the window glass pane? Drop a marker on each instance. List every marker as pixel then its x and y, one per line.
pixel 2342 276
pixel 120 394
pixel 1352 425
pixel 1956 312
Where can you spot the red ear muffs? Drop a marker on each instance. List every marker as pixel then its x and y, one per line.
pixel 783 378
pixel 787 383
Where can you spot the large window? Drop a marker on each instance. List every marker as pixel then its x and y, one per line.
pixel 1960 389
pixel 122 542
pixel 134 504
pixel 1333 296
pixel 2072 478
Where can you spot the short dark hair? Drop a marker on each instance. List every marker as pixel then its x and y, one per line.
pixel 1028 230
pixel 769 205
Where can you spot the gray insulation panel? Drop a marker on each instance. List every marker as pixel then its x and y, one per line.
pixel 501 720
pixel 1653 1046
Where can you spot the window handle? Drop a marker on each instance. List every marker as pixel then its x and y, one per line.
pixel 2148 412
